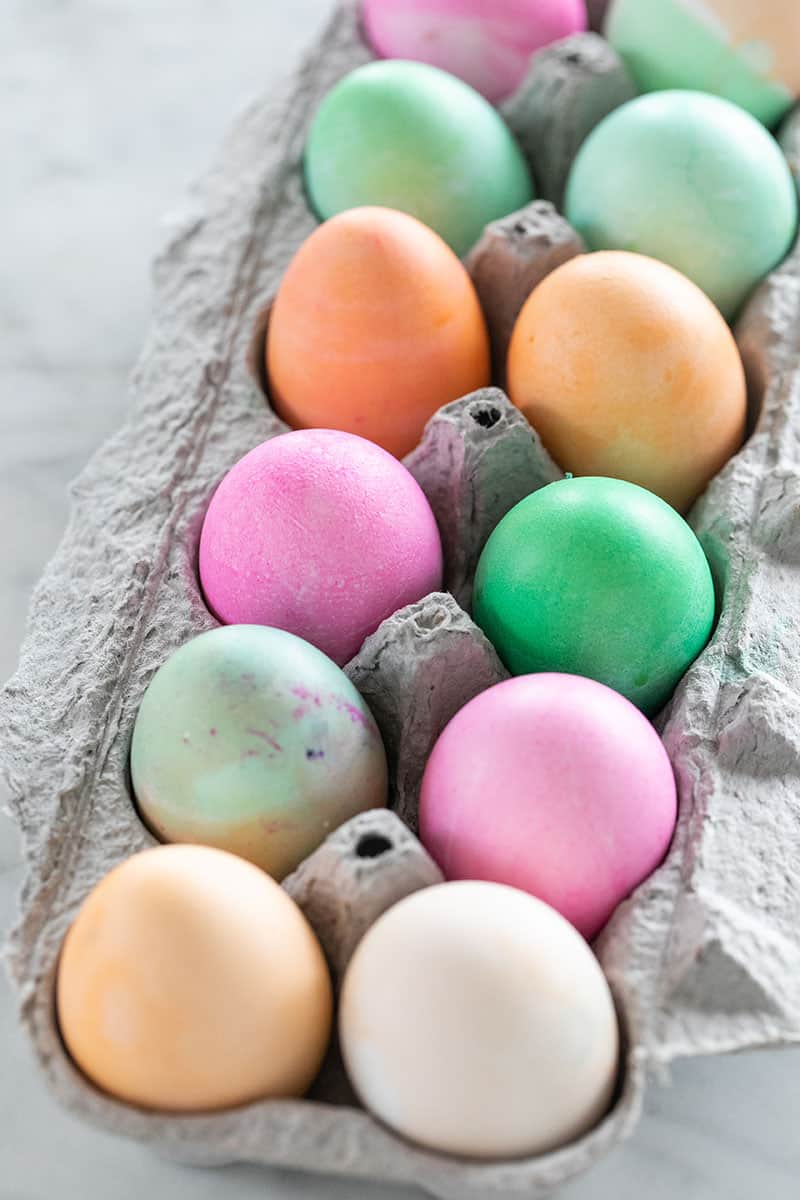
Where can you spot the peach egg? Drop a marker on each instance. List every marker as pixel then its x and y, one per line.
pixel 190 981
pixel 627 369
pixel 376 324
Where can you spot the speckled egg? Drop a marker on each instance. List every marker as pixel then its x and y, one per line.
pixel 190 981
pixel 745 50
pixel 476 1021
pixel 601 578
pixel 553 784
pixel 320 533
pixel 625 368
pixel 251 740
pixel 692 180
pixel 409 136
pixel 487 45
pixel 375 326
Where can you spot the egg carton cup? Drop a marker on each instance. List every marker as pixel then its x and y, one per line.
pixel 702 958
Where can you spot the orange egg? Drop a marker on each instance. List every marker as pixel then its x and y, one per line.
pixel 190 981
pixel 375 326
pixel 625 368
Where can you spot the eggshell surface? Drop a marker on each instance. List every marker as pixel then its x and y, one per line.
pixel 375 326
pixel 476 1021
pixel 692 180
pixel 600 578
pixel 747 52
pixel 190 981
pixel 409 136
pixel 489 46
pixel 625 368
pixel 553 784
pixel 251 740
pixel 319 533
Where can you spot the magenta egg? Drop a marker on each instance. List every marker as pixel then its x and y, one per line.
pixel 556 785
pixel 320 533
pixel 488 45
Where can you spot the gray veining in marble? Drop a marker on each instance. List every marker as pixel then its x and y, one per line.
pixel 107 107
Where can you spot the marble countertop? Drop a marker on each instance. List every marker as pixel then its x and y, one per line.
pixel 106 111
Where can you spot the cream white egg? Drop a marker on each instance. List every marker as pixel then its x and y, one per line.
pixel 476 1021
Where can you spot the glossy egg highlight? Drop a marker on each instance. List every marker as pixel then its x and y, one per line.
pixel 692 180
pixel 476 1021
pixel 487 45
pixel 600 578
pixel 747 52
pixel 190 981
pixel 409 136
pixel 251 740
pixel 376 325
pixel 625 368
pixel 553 784
pixel 320 533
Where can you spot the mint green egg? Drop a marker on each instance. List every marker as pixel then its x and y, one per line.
pixel 692 180
pixel 251 740
pixel 675 44
pixel 601 578
pixel 409 136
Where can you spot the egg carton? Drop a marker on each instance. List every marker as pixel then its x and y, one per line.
pixel 705 956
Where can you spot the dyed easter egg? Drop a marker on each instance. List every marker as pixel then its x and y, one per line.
pixel 409 136
pixel 476 1021
pixel 625 368
pixel 251 740
pixel 553 784
pixel 375 326
pixel 600 578
pixel 747 52
pixel 190 981
pixel 320 533
pixel 487 45
pixel 692 180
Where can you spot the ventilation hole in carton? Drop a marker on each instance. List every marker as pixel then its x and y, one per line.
pixel 486 417
pixel 430 618
pixel 372 845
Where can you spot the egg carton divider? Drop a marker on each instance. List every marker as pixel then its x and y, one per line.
pixel 703 957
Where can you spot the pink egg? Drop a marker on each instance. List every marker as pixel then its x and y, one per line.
pixel 320 533
pixel 553 784
pixel 489 45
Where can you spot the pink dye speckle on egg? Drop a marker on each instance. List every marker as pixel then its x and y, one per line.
pixel 487 44
pixel 556 785
pixel 312 507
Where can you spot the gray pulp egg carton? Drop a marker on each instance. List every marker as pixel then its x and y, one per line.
pixel 702 958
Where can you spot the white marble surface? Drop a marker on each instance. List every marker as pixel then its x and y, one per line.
pixel 107 107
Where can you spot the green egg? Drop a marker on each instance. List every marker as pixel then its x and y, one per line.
pixel 409 136
pixel 680 44
pixel 251 740
pixel 601 578
pixel 692 180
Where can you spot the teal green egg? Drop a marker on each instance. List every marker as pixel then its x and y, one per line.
pixel 251 740
pixel 409 136
pixel 692 180
pixel 745 51
pixel 601 578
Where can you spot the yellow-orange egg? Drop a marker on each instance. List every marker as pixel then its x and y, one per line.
pixel 191 981
pixel 627 369
pixel 376 324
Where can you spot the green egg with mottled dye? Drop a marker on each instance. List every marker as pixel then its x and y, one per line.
pixel 408 136
pixel 252 740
